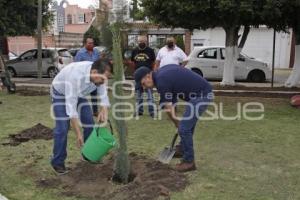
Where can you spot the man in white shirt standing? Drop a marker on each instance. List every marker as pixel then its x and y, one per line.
pixel 69 89
pixel 170 54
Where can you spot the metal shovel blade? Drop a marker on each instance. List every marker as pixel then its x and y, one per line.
pixel 166 155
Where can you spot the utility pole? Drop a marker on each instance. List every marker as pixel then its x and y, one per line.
pixel 39 39
pixel 273 58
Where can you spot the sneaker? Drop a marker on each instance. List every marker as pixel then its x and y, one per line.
pixel 60 170
pixel 178 152
pixel 137 114
pixel 185 166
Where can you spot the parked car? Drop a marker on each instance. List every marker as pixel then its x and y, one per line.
pixel 73 51
pixel 12 55
pixel 209 63
pixel 64 58
pixel 53 59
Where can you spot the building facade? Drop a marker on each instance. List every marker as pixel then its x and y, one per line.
pixel 72 18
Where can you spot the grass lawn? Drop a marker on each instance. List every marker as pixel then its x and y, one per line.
pixel 240 159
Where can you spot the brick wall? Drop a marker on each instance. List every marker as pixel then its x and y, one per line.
pixel 21 44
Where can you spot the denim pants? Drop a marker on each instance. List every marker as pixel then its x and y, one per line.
pixel 140 99
pixel 193 110
pixel 62 125
pixel 94 101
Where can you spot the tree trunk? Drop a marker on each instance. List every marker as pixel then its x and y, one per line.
pixel 122 165
pixel 244 38
pixel 294 78
pixel 232 54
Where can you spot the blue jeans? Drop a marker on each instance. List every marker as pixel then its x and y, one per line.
pixel 193 111
pixel 140 100
pixel 94 101
pixel 62 125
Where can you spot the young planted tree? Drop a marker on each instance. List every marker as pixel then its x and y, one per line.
pixel 122 164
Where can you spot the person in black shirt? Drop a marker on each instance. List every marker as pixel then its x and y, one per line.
pixel 143 56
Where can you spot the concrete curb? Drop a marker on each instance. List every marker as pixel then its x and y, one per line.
pixel 126 88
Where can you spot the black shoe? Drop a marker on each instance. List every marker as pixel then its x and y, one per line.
pixel 152 116
pixel 60 170
pixel 137 114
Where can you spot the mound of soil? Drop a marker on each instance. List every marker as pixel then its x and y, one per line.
pixel 152 179
pixel 25 92
pixel 38 131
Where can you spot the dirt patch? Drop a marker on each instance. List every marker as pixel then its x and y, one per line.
pixel 152 179
pixel 38 131
pixel 25 92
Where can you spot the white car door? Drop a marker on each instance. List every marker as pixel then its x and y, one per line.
pixel 240 69
pixel 210 63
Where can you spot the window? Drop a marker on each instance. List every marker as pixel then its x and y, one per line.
pixel 80 18
pixel 223 54
pixel 69 19
pixel 64 53
pixel 29 55
pixel 208 53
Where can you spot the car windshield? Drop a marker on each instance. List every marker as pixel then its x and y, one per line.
pixel 64 53
pixel 242 55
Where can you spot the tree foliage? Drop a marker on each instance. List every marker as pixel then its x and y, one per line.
pixel 106 36
pixel 19 17
pixel 231 15
pixel 93 33
pixel 136 11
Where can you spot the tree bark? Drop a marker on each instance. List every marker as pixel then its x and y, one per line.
pixel 232 54
pixel 244 38
pixel 294 78
pixel 122 165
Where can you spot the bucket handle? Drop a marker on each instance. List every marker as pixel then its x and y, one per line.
pixel 110 126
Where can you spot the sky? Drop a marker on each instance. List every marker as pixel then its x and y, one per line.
pixel 82 3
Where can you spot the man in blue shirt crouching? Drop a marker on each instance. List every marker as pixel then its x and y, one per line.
pixel 174 81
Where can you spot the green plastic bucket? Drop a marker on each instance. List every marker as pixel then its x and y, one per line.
pixel 99 143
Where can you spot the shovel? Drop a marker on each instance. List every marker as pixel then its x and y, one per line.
pixel 167 154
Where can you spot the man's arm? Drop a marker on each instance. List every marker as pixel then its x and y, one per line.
pixel 170 110
pixel 152 57
pixel 103 114
pixel 76 127
pixel 156 65
pixel 157 62
pixel 78 56
pixel 183 58
pixel 71 95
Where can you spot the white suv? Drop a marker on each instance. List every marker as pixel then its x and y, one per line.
pixel 209 63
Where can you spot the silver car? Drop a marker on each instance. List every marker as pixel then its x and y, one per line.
pixel 52 60
pixel 209 63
